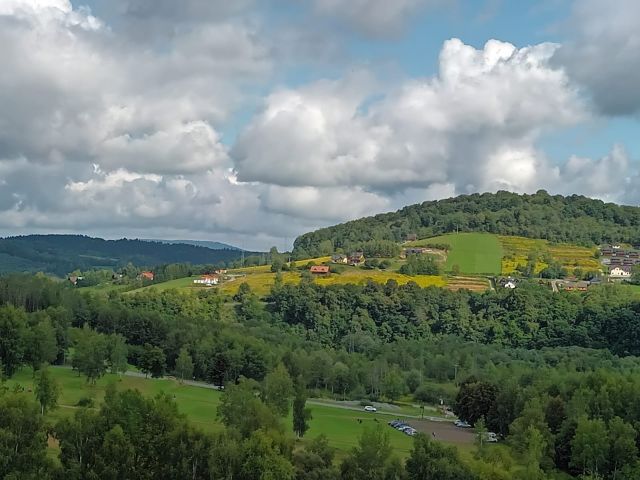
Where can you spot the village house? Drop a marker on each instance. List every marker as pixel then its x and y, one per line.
pixel 319 269
pixel 339 258
pixel 412 237
pixel 356 258
pixel 581 286
pixel 620 272
pixel 74 279
pixel 207 280
pixel 508 282
pixel 146 275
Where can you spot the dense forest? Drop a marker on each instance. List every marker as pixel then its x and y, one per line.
pixel 61 254
pixel 554 374
pixel 574 219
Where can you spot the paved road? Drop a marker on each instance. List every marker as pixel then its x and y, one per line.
pixel 379 412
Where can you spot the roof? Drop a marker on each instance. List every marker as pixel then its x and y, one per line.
pixel 624 268
pixel 319 269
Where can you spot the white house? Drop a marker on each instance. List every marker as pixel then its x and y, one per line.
pixel 620 272
pixel 207 280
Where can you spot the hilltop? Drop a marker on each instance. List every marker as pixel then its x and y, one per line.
pixel 198 243
pixel 573 219
pixel 60 254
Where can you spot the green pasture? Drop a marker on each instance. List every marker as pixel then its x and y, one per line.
pixel 474 253
pixel 199 404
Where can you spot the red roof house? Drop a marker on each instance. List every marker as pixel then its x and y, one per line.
pixel 147 275
pixel 319 269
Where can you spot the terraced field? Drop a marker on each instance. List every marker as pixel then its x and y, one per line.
pixel 518 249
pixel 475 284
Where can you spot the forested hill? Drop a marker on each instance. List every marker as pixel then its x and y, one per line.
pixel 574 219
pixel 61 254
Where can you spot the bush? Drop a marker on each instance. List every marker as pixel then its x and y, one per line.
pixel 85 402
pixel 420 265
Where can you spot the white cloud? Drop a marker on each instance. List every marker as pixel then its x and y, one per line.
pixel 475 126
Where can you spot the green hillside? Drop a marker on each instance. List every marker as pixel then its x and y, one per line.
pixel 574 219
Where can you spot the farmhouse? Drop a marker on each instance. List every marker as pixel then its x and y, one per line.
pixel 573 286
pixel 146 275
pixel 319 269
pixel 356 258
pixel 339 258
pixel 508 282
pixel 207 280
pixel 74 279
pixel 620 272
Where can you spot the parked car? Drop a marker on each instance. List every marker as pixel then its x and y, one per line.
pixel 394 423
pixel 404 428
pixel 370 408
pixel 491 437
pixel 462 424
pixel 410 431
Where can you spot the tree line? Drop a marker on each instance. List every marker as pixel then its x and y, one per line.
pixel 573 219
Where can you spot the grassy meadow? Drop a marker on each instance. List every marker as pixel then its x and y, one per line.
pixel 473 253
pixel 340 425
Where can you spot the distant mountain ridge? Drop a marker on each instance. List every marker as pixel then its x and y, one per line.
pixel 198 243
pixel 571 219
pixel 61 254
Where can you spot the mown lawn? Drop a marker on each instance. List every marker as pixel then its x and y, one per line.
pixel 199 404
pixel 473 253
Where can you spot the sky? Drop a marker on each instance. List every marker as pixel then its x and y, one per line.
pixel 253 121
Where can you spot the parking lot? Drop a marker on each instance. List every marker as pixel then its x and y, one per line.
pixel 443 431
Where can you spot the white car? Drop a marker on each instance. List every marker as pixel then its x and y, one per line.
pixel 370 408
pixel 462 424
pixel 491 437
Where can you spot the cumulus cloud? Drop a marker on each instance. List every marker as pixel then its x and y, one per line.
pixel 602 53
pixel 373 17
pixel 475 126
